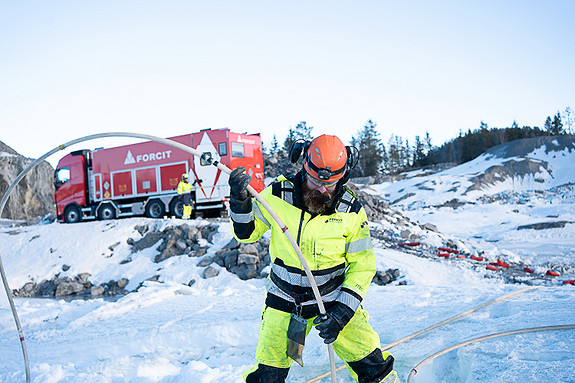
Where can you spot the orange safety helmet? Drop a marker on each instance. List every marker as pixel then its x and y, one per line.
pixel 326 158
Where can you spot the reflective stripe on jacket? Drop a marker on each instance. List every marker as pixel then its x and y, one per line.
pixel 337 246
pixel 184 187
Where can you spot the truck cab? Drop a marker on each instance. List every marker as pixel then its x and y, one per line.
pixel 70 183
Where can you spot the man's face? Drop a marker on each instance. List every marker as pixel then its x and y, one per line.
pixel 317 194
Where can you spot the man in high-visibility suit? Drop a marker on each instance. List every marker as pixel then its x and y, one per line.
pixel 185 191
pixel 332 231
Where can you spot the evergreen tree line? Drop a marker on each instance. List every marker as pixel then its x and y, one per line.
pixel 399 155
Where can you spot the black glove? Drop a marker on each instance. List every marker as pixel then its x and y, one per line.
pixel 238 182
pixel 333 321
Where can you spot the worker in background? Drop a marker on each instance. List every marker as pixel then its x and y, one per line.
pixel 185 191
pixel 332 232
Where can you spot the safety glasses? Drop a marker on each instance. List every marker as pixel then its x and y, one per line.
pixel 319 183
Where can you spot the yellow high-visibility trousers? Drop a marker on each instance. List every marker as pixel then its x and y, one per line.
pixel 187 212
pixel 355 342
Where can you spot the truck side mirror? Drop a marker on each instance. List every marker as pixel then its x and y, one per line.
pixel 206 159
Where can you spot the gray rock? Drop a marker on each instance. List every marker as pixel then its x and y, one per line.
pixel 33 196
pixel 83 277
pixel 544 225
pixel 205 262
pixel 181 244
pixel 233 244
pixel 97 291
pixel 112 247
pixel 191 233
pixel 68 288
pixel 231 259
pixel 28 287
pixel 383 278
pixel 246 271
pixel 430 227
pixel 210 272
pixel 249 248
pixel 46 288
pixel 248 259
pixel 148 241
pixel 142 229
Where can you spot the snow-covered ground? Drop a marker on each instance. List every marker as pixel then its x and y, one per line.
pixel 494 208
pixel 168 331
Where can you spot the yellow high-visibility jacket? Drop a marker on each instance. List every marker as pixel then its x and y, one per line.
pixel 336 245
pixel 184 187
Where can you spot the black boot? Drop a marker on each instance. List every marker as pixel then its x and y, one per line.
pixel 268 374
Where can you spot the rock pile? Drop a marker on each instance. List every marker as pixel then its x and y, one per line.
pixel 385 277
pixel 279 164
pixel 176 241
pixel 246 260
pixel 66 287
pixel 34 195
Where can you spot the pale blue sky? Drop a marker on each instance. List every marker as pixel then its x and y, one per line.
pixel 73 68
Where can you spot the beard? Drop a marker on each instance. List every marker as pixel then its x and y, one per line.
pixel 315 201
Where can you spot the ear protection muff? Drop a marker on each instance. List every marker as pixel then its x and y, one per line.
pixel 352 160
pixel 296 149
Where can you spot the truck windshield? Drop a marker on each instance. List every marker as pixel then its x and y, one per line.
pixel 61 177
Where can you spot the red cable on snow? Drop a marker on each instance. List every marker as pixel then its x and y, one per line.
pixel 448 249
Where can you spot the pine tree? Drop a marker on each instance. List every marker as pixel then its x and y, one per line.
pixel 418 152
pixel 300 132
pixel 370 149
pixel 557 126
pixel 406 153
pixel 274 146
pixel 548 126
pixel 395 162
pixel 569 117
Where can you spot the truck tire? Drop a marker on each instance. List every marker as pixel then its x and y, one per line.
pixel 106 211
pixel 176 208
pixel 155 209
pixel 72 214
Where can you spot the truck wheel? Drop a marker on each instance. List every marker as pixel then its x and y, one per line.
pixel 155 209
pixel 176 208
pixel 106 211
pixel 72 214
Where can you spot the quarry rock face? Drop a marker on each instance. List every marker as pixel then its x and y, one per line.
pixel 34 195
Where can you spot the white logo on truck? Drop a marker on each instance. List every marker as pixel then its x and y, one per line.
pixel 147 157
pixel 246 141
pixel 129 159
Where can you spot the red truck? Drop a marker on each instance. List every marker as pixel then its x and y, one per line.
pixel 142 179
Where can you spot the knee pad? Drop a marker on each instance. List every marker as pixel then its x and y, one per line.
pixel 374 367
pixel 267 374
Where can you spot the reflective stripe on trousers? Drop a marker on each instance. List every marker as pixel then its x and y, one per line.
pixel 355 342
